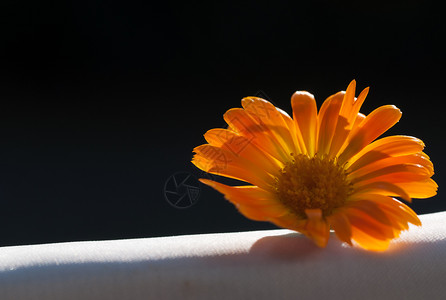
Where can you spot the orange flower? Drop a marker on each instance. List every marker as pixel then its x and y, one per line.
pixel 320 170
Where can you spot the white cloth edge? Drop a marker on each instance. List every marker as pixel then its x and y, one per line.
pixel 278 264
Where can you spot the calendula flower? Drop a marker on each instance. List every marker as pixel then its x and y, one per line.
pixel 320 170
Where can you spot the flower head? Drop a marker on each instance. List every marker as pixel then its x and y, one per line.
pixel 317 171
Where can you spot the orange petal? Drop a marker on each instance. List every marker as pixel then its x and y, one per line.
pixel 384 215
pixel 349 100
pixel 252 201
pixel 396 145
pixel 262 136
pixel 305 118
pixel 358 103
pixel 240 146
pixel 327 118
pixel 346 119
pixel 382 188
pixel 375 124
pixel 218 161
pixel 340 224
pixel 399 210
pixel 417 159
pixel 351 105
pixel 369 224
pixel 419 189
pixel 290 221
pixel 367 242
pixel 371 209
pixel 398 214
pixel 393 174
pixel 268 116
pixel 357 125
pixel 292 127
pixel 354 117
pixel 210 166
pixel 316 228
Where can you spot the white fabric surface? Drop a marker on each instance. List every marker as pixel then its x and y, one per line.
pixel 273 264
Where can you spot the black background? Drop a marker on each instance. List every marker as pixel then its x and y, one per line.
pixel 102 101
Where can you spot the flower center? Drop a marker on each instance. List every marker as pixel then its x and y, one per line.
pixel 312 182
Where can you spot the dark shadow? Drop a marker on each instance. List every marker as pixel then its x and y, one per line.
pixel 296 247
pixel 285 247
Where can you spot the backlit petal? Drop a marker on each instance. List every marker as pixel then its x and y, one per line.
pixel 371 209
pixel 380 187
pixel 305 117
pixel 316 228
pixel 241 122
pixel 290 221
pixel 328 118
pixel 390 146
pixel 252 201
pixel 341 225
pixel 395 207
pixel 266 115
pixel 375 124
pixel 369 225
pixel 356 126
pixel 367 241
pixel 417 159
pixel 347 118
pixel 241 146
pixel 218 161
pixel 393 174
pixel 419 189
pixel 384 215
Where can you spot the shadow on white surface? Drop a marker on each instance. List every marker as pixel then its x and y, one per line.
pixel 273 264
